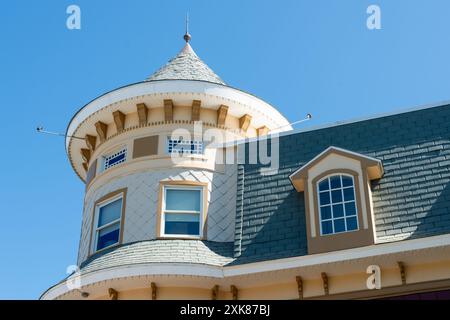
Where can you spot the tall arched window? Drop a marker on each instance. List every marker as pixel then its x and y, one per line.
pixel 337 205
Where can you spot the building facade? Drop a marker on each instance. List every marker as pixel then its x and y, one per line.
pixel 176 208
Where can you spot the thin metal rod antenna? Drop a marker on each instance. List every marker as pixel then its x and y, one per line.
pixel 187 22
pixel 41 130
pixel 308 117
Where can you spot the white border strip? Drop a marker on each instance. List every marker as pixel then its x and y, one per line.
pixel 189 269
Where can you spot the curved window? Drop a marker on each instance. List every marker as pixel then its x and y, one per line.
pixel 337 205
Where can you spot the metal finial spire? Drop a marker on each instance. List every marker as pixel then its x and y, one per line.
pixel 187 36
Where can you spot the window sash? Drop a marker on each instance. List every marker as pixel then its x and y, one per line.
pixel 117 221
pixel 343 202
pixel 165 211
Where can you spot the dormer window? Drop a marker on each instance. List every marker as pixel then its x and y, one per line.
pixel 338 208
pixel 337 204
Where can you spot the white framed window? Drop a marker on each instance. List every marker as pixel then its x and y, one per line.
pixel 184 146
pixel 114 159
pixel 108 217
pixel 182 211
pixel 337 204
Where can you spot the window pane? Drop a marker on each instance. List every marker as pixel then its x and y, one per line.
pixel 327 227
pixel 352 224
pixel 324 198
pixel 336 196
pixel 338 210
pixel 109 212
pixel 186 224
pixel 350 209
pixel 324 185
pixel 349 194
pixel 347 181
pixel 183 200
pixel 326 212
pixel 335 182
pixel 108 236
pixel 339 225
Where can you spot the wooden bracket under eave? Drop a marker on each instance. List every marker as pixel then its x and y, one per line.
pixel 90 142
pixel 86 154
pixel 262 131
pixel 244 122
pixel 142 111
pixel 168 110
pixel 215 292
pixel 222 115
pixel 195 115
pixel 299 287
pixel 102 129
pixel 113 294
pixel 234 292
pixel 402 268
pixel 119 120
pixel 325 283
pixel 154 289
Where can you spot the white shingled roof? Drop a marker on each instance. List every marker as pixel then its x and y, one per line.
pixel 186 65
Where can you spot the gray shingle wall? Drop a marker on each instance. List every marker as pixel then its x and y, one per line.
pixel 412 200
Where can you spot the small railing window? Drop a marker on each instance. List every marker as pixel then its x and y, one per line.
pixel 337 205
pixel 114 159
pixel 182 210
pixel 107 232
pixel 185 146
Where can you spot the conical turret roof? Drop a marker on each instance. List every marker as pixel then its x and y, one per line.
pixel 186 65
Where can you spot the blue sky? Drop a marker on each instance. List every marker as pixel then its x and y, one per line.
pixel 301 56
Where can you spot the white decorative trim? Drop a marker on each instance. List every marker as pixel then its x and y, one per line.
pixel 240 102
pixel 201 270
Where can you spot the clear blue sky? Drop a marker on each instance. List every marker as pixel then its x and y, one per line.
pixel 301 56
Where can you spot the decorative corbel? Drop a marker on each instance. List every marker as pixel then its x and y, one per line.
pixel 86 154
pixel 154 288
pixel 119 120
pixel 196 110
pixel 401 266
pixel 113 294
pixel 215 292
pixel 325 283
pixel 90 142
pixel 168 110
pixel 102 129
pixel 234 292
pixel 244 122
pixel 299 287
pixel 222 115
pixel 142 111
pixel 262 131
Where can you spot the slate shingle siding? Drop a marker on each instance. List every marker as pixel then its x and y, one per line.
pixel 411 200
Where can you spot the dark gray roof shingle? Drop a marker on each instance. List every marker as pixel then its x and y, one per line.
pixel 411 200
pixel 159 251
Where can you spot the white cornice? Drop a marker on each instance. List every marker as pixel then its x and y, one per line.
pixel 239 102
pixel 201 270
